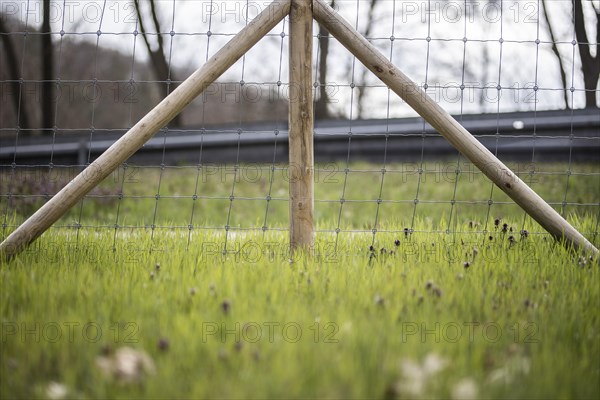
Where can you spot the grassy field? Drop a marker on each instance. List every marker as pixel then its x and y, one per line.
pixel 456 306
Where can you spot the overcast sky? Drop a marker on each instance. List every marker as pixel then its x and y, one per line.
pixel 517 64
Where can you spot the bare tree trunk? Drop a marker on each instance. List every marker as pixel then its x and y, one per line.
pixel 363 77
pixel 47 71
pixel 158 60
pixel 563 73
pixel 590 66
pixel 484 78
pixel 11 62
pixel 321 109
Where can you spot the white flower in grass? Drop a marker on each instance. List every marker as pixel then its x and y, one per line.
pixel 413 378
pixel 500 375
pixel 56 391
pixel 518 365
pixel 415 375
pixel 412 370
pixel 126 365
pixel 465 389
pixel 433 364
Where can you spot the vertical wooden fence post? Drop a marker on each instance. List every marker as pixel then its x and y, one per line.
pixel 301 158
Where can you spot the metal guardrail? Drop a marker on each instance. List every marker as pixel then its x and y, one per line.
pixel 555 136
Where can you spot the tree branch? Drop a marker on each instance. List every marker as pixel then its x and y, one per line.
pixel 590 66
pixel 157 26
pixel 361 87
pixel 597 58
pixel 158 61
pixel 563 74
pixel 321 109
pixel 141 23
pixel 47 71
pixel 580 34
pixel 11 60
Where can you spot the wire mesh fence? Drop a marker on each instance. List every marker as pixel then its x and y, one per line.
pixel 77 75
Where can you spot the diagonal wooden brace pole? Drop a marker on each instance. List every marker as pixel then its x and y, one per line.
pixel 301 155
pixel 448 127
pixel 143 131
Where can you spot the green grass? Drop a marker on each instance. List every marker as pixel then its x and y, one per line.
pixel 521 321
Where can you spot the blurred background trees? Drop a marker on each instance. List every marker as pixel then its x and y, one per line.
pixel 78 82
